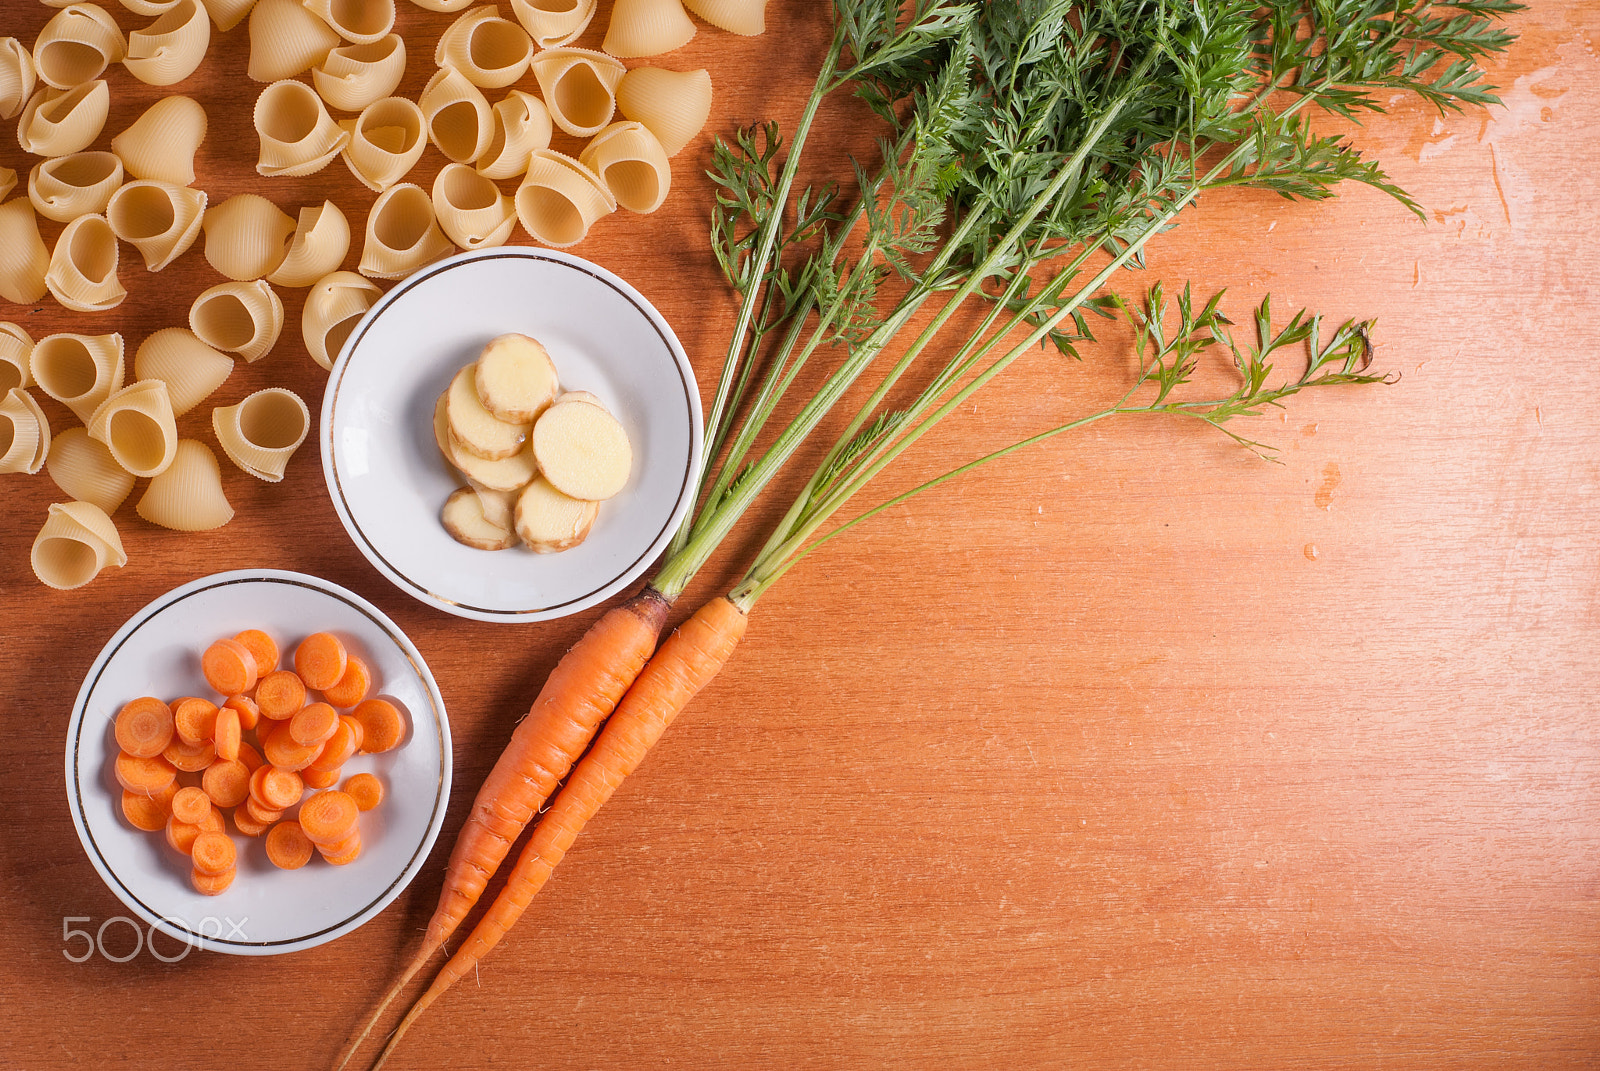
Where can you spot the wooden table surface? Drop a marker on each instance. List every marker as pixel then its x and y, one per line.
pixel 1128 751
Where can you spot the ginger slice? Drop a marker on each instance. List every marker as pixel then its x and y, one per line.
pixel 548 521
pixel 474 427
pixel 515 378
pixel 465 518
pixel 582 450
pixel 506 474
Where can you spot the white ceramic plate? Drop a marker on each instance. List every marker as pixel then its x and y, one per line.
pixel 266 910
pixel 388 480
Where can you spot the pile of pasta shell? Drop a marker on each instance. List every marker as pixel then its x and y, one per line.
pixel 507 93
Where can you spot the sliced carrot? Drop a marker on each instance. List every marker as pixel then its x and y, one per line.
pixel 246 823
pixel 212 884
pixel 190 758
pixel 320 660
pixel 245 707
pixel 263 648
pixel 319 778
pixel 213 853
pixel 314 724
pixel 250 756
pixel 259 813
pixel 288 847
pixel 181 835
pixel 214 822
pixel 356 728
pixel 382 724
pixel 225 738
pixel 227 782
pixel 283 751
pixel 195 719
pixel 229 667
pixel 276 788
pixel 149 813
pixel 341 858
pixel 365 789
pixel 328 817
pixel 191 805
pixel 352 687
pixel 280 694
pixel 337 749
pixel 144 727
pixel 148 776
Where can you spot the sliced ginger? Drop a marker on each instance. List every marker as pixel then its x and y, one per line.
pixel 475 428
pixel 582 450
pixel 464 518
pixel 548 521
pixel 506 474
pixel 515 378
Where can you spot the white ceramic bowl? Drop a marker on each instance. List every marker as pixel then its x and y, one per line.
pixel 388 480
pixel 266 910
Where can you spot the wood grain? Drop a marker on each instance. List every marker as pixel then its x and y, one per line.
pixel 1127 751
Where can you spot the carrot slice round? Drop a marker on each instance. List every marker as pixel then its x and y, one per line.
pixel 225 737
pixel 328 817
pixel 229 667
pixel 317 778
pixel 245 709
pixel 212 884
pixel 144 727
pixel 149 813
pixel 280 694
pixel 382 724
pixel 314 724
pixel 147 776
pixel 227 782
pixel 365 789
pixel 352 688
pixel 195 719
pixel 276 788
pixel 263 648
pixel 190 758
pixel 191 805
pixel 246 823
pixel 320 660
pixel 288 847
pixel 213 853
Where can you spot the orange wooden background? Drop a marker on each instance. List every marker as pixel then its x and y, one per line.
pixel 1127 751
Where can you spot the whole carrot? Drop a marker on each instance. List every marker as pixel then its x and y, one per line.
pixel 579 694
pixel 686 663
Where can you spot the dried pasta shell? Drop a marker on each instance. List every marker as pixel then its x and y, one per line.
pixel 286 39
pixel 161 144
pixel 632 164
pixel 85 470
pixel 321 239
pixel 8 181
pixel 24 258
pixel 16 345
pixel 360 22
pixel 138 426
pixel 247 236
pixel 66 187
pixel 191 369
pixel 560 199
pixel 226 14
pixel 83 266
pixel 79 371
pixel 489 51
pixel 188 496
pixel 402 234
pixel 298 136
pixel 56 122
pixel 458 116
pixel 77 541
pixel 675 105
pixel 333 308
pixel 76 46
pixel 647 28
pixel 24 433
pixel 152 8
pixel 553 23
pixel 263 431
pixel 240 317
pixel 471 210
pixel 170 49
pixel 521 125
pixel 353 76
pixel 747 18
pixel 17 77
pixel 386 141
pixel 579 87
pixel 159 219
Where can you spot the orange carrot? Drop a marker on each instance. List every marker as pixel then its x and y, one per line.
pixel 288 847
pixel 191 805
pixel 320 660
pixel 352 687
pixel 328 817
pixel 259 813
pixel 144 727
pixel 225 734
pixel 245 709
pixel 246 823
pixel 263 648
pixel 195 719
pixel 190 758
pixel 212 884
pixel 338 748
pixel 313 724
pixel 276 788
pixel 283 751
pixel 229 667
pixel 149 813
pixel 280 694
pixel 382 724
pixel 213 852
pixel 315 777
pixel 227 782
pixel 356 729
pixel 578 695
pixel 686 662
pixel 365 789
pixel 148 776
pixel 349 853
